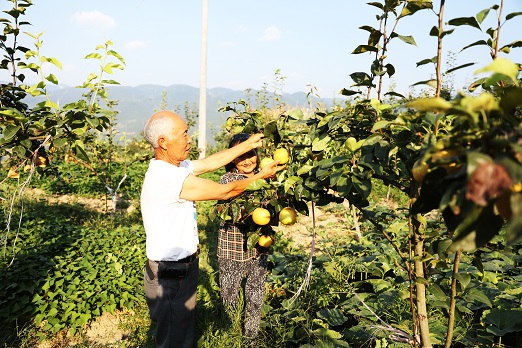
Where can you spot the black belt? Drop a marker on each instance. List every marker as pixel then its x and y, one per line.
pixel 187 259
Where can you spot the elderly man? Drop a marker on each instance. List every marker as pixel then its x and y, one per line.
pixel 170 188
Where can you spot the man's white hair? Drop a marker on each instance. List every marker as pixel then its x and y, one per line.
pixel 156 127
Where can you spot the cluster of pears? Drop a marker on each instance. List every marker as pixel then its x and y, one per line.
pixel 280 155
pixel 261 216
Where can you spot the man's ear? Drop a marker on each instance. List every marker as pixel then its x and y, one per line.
pixel 162 142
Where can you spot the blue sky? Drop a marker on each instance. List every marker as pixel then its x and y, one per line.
pixel 310 41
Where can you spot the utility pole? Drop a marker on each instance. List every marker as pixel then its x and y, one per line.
pixel 202 134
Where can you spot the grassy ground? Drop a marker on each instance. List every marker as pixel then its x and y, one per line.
pixel 134 329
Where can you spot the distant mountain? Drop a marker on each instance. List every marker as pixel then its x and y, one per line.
pixel 136 104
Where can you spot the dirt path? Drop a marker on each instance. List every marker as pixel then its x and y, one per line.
pixel 327 225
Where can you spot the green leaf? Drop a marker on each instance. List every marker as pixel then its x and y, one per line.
pixel 93 56
pixel 364 49
pixel 52 313
pixel 291 181
pixel 51 105
pixel 51 78
pixel 53 61
pixel 327 333
pixel 361 79
pixel 514 227
pixel 430 104
pixel 477 262
pixel 476 43
pixel 257 185
pixel 476 84
pixel 59 142
pixel 110 82
pixel 93 122
pixel 84 318
pixel 427 61
pixel 482 15
pixel 80 153
pixel 296 114
pixel 117 55
pixel 459 67
pixel 436 291
pixel 390 70
pixel 513 15
pixel 431 83
pixel 321 143
pixel 413 6
pixel 408 39
pixel 110 66
pixel 368 29
pixel 502 321
pixel 379 125
pixel 438 32
pixel 304 169
pixel 376 4
pixel 470 21
pixel 464 280
pixel 363 186
pixel 476 295
pixel 271 132
pixel 334 317
pixel 502 66
pixel 349 92
pixel 10 132
pixel 394 94
pixel 374 38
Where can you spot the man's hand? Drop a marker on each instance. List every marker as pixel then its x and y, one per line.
pixel 256 140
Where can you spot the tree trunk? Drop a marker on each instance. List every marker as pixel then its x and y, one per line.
pixel 417 249
pixel 420 288
pixel 453 300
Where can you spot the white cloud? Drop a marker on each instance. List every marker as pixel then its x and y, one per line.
pixel 240 29
pixel 94 20
pixel 135 45
pixel 271 34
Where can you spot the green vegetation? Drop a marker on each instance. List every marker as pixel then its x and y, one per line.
pixel 425 194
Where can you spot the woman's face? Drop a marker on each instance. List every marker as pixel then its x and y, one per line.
pixel 246 163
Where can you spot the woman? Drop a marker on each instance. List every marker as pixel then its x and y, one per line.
pixel 235 259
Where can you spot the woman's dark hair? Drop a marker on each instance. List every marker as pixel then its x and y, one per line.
pixel 237 139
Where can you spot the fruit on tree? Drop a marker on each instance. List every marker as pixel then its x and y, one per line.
pixel 261 216
pixel 419 170
pixel 281 155
pixel 265 161
pixel 288 216
pixel 450 166
pixel 265 241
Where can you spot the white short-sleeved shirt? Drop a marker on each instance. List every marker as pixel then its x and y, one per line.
pixel 169 221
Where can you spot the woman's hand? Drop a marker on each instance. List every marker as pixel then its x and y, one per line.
pixel 269 171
